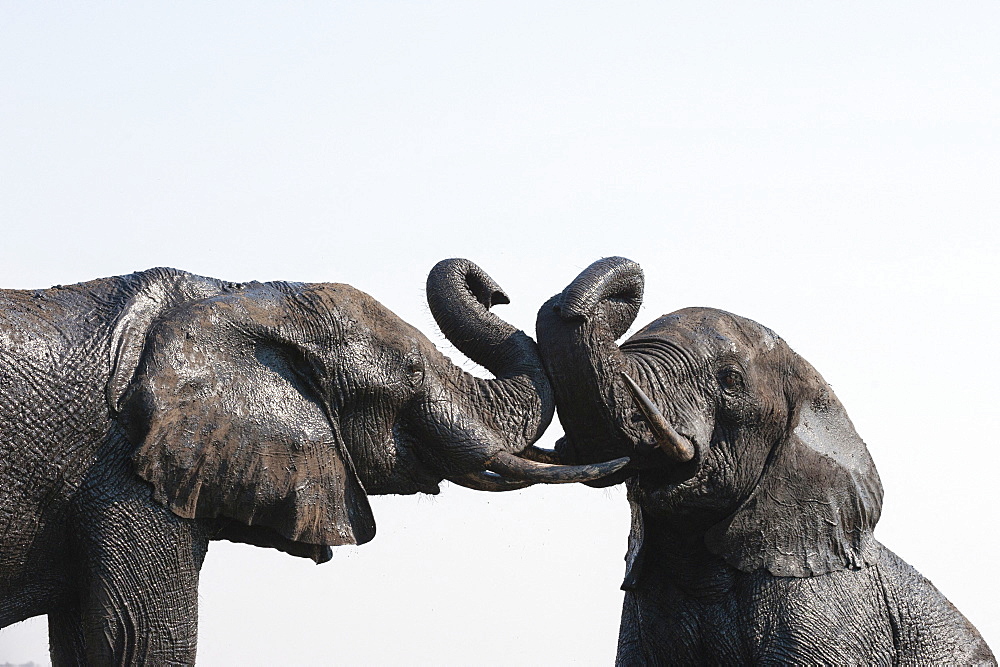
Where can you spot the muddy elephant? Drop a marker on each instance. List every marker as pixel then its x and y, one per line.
pixel 753 498
pixel 145 415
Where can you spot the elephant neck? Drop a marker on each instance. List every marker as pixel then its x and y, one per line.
pixel 662 557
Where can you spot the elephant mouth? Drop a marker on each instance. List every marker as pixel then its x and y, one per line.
pixel 650 467
pixel 670 458
pixel 666 473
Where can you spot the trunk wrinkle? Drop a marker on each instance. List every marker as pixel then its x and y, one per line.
pixel 518 405
pixel 612 286
pixel 577 330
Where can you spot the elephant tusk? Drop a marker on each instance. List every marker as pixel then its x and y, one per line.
pixel 487 481
pixel 539 454
pixel 672 443
pixel 515 467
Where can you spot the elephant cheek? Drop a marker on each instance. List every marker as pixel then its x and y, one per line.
pixel 384 458
pixel 720 485
pixel 693 505
pixel 740 451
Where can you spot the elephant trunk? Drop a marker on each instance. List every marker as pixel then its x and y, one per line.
pixel 577 330
pixel 511 411
pixel 519 401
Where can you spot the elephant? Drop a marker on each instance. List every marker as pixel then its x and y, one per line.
pixel 753 498
pixel 147 414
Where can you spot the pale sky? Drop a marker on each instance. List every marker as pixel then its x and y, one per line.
pixel 831 170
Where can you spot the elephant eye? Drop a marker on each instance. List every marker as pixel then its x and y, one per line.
pixel 414 367
pixel 730 378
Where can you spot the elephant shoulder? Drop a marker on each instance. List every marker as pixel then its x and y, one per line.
pixel 928 627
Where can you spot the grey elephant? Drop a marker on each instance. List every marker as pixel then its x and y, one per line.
pixel 753 498
pixel 145 415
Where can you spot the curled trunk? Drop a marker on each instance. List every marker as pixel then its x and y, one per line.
pixel 508 413
pixel 577 330
pixel 519 401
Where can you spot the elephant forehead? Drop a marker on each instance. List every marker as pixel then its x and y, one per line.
pixel 361 316
pixel 715 331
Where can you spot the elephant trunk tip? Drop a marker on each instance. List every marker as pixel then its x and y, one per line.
pixel 456 274
pixel 613 283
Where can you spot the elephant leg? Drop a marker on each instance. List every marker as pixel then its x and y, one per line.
pixel 142 565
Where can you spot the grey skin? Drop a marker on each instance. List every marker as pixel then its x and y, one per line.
pixel 144 415
pixel 753 498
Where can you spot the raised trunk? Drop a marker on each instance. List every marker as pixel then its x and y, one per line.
pixel 577 330
pixel 518 403
pixel 509 413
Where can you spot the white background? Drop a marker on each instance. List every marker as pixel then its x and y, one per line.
pixel 830 170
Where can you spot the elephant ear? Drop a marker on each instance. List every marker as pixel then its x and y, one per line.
pixel 229 424
pixel 816 503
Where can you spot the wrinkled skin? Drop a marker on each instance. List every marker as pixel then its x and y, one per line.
pixel 147 414
pixel 756 546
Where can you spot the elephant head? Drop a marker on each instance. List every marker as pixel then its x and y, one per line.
pixel 734 438
pixel 271 410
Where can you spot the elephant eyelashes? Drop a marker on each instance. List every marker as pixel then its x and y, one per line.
pixel 730 379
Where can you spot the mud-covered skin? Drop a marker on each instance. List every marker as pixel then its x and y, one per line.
pixel 689 606
pixel 760 548
pixel 144 415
